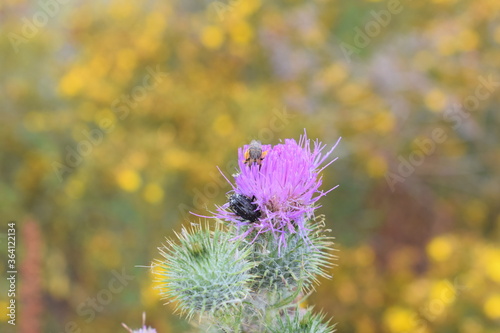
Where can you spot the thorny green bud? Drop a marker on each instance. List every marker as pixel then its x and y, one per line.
pixel 205 273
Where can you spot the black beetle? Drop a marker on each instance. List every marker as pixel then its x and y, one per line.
pixel 243 207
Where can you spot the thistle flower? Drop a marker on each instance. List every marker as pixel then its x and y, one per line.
pixel 251 275
pixel 143 329
pixel 284 186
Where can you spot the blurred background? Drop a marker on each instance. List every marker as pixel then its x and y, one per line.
pixel 115 115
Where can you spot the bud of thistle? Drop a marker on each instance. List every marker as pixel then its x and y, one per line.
pixel 204 273
pixel 301 321
pixel 296 265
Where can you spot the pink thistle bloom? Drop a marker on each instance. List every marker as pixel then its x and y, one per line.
pixel 284 187
pixel 143 329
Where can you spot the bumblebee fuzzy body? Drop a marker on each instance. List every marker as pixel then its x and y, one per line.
pixel 243 207
pixel 254 153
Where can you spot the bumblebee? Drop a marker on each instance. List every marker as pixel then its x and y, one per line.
pixel 243 207
pixel 254 153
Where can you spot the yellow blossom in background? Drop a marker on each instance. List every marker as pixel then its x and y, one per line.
pixel 398 319
pixel 73 81
pixel 440 248
pixel 150 292
pixel 383 122
pixel 467 40
pixel 336 73
pixel 105 118
pixel 126 59
pixel 245 8
pixel 491 263
pixel 241 32
pixel 212 37
pixel 492 307
pixel 4 311
pixel 442 291
pixel 153 193
pixel 435 100
pixel 350 93
pixel 122 10
pixel 128 179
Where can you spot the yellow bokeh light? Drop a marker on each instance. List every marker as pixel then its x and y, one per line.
pixel 153 193
pixel 122 10
pixel 398 319
pixel 383 122
pixel 4 311
pixel 241 32
pixel 443 291
pixel 73 82
pixel 467 40
pixel 212 37
pixel 491 263
pixel 440 248
pixel 435 100
pixel 336 73
pixel 126 59
pixel 128 179
pixel 492 307
pixel 244 8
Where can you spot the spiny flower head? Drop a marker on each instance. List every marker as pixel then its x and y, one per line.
pixel 296 265
pixel 204 272
pixel 302 321
pixel 284 186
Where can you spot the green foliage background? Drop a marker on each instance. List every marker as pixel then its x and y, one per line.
pixel 422 256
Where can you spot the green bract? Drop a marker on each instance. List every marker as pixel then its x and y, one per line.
pixel 205 272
